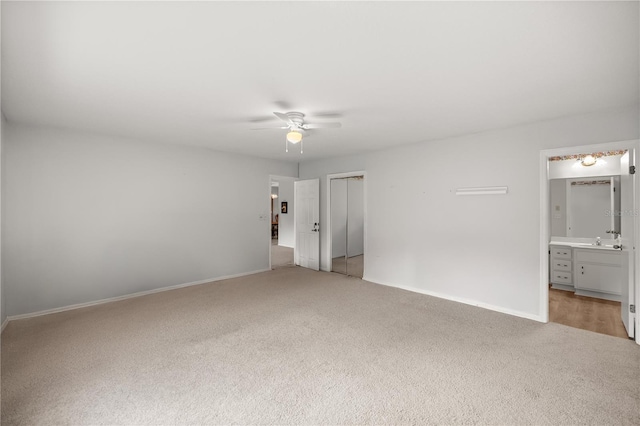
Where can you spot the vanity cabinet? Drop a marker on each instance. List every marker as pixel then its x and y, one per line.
pixel 598 271
pixel 561 265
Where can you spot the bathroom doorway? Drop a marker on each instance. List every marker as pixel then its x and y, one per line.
pixel 346 200
pixel 588 237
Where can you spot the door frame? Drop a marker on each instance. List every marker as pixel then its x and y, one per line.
pixel 545 220
pixel 329 234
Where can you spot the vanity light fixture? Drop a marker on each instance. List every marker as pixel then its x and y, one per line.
pixel 588 160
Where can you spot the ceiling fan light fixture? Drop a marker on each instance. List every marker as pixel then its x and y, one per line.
pixel 294 136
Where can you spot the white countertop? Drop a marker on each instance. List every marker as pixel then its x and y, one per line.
pixel 589 244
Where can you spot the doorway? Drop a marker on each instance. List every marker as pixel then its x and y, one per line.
pixel 346 195
pixel 281 219
pixel 588 236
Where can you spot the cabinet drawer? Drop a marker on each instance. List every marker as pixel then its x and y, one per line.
pixel 561 253
pixel 561 277
pixel 561 265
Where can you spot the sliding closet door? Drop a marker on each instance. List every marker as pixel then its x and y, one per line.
pixel 355 226
pixel 339 225
pixel 347 225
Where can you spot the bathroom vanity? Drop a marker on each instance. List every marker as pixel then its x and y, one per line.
pixel 587 269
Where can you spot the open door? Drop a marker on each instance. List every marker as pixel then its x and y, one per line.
pixel 627 236
pixel 307 217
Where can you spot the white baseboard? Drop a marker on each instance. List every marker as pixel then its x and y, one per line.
pixel 126 296
pixel 461 300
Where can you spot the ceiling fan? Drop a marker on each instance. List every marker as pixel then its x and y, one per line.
pixel 294 122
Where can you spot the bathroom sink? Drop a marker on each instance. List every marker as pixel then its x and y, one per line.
pixel 585 245
pixel 602 247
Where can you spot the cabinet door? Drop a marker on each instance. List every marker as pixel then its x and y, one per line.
pixel 602 278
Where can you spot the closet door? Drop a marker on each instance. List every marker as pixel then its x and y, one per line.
pixel 355 226
pixel 339 212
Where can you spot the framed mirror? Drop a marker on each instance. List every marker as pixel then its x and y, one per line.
pixel 585 207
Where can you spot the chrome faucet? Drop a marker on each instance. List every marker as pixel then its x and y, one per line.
pixel 598 241
pixel 615 233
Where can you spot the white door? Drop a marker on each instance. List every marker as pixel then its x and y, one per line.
pixel 307 216
pixel 627 230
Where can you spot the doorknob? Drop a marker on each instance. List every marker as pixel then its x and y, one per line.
pixel 316 227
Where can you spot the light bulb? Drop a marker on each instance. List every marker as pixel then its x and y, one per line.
pixel 588 160
pixel 294 136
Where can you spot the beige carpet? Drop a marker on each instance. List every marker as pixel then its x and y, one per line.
pixel 297 346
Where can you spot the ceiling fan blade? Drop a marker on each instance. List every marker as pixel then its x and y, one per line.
pixel 270 128
pixel 285 118
pixel 283 105
pixel 321 125
pixel 326 114
pixel 261 119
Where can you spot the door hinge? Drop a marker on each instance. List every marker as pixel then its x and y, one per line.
pixel 632 309
pixel 632 170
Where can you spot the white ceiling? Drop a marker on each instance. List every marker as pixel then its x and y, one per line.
pixel 196 73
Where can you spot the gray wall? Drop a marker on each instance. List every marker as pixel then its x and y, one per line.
pixel 558 203
pixel 482 250
pixel 88 217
